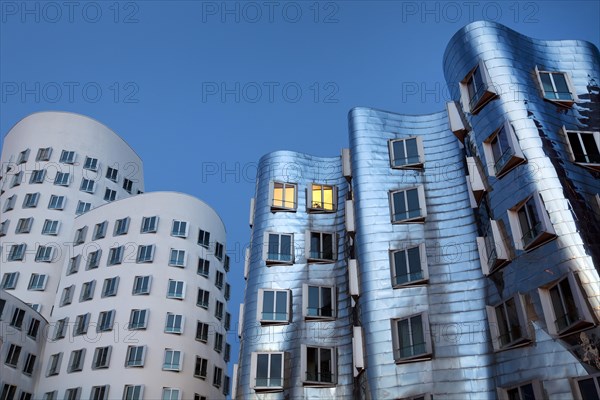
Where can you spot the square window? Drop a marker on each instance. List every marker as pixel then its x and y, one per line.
pixel 141 285
pixel 44 254
pixel 557 87
pixel 203 298
pixel 110 287
pixel 318 302
pixel 177 258
pixel 31 200
pixel 174 323
pixel 121 226
pixel 93 260
pixel 410 338
pixel 115 255
pixel 82 207
pixel 273 306
pixel 76 360
pixel 508 323
pixel 67 157
pixel 62 179
pixel 37 282
pixel 110 195
pixel 56 202
pixel 172 361
pixel 149 224
pixel 50 227
pixel 267 371
pixel 279 248
pixel 24 225
pixel 87 291
pixel 43 154
pixel 9 280
pixel 584 148
pixel 145 253
pixel 175 289
pixel 17 252
pixel 133 392
pixel 87 185
pixel 112 174
pixel 476 89
pixel 322 198
pixel 106 320
pixel 322 247
pixel 284 196
pixel 91 163
pixel 201 368
pixel 319 364
pixel 138 319
pixel 409 266
pixel 135 356
pixel 408 205
pixel 37 176
pixel 100 230
pixel 179 229
pixel 203 267
pixel 203 238
pixel 202 332
pixel 530 223
pixel 407 153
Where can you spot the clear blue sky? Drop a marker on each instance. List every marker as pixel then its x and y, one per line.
pixel 201 90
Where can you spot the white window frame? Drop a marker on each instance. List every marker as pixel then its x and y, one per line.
pixel 305 302
pixel 24 225
pixel 283 203
pixel 219 279
pixel 418 280
pixel 538 390
pixel 173 359
pixel 169 393
pixel 149 224
pixel 106 320
pixel 511 157
pixel 218 347
pixel 45 254
pixel 62 178
pixel 319 256
pixel 31 200
pixel 145 253
pixel 537 235
pixel 87 185
pixel 37 282
pixel 203 238
pixel 76 360
pixel 138 319
pixel 37 176
pixel 176 228
pixel 115 255
pixel 67 157
pixel 488 91
pixel 219 307
pixel 268 383
pixel 51 227
pixel 90 163
pixel 177 258
pixel 110 287
pixel 409 164
pixel 217 377
pixel 174 323
pixel 279 257
pixel 56 202
pixel 203 267
pixel 9 280
pixel 426 354
pixel 178 294
pixel 202 331
pixel 133 392
pixel 100 230
pixel 588 163
pixel 29 364
pixel 99 392
pixel 17 252
pixel 121 226
pixel 201 368
pixel 43 154
pixel 321 206
pixel 575 384
pixel 135 362
pixel 112 174
pixel 82 207
pixel 110 195
pixel 73 393
pixel 260 313
pixel 127 185
pixel 562 102
pixel 318 382
pixel 219 250
pixel 493 249
pixel 409 219
pixel 17 318
pixel 509 339
pixel 141 279
pixel 13 355
pixel 203 298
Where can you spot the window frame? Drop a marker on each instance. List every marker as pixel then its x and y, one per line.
pixel 87 185
pixel 50 227
pixel 87 291
pixel 35 284
pixel 494 252
pixel 427 352
pixel 423 279
pixel 268 387
pixel 142 279
pixel 538 390
pixel 306 381
pixel 31 200
pixel 546 231
pixel 93 259
pixel 9 204
pixel 496 330
pixel 82 207
pixel 115 255
pixel 260 307
pixel 178 232
pixel 135 362
pixel 101 358
pixel 203 298
pixel 138 319
pixel 201 368
pixel 37 176
pixel 112 174
pixel 511 157
pixel 145 253
pixel 43 154
pixel 576 389
pixel 133 395
pixel 178 294
pixel 67 157
pixel 172 356
pixel 473 104
pixel 110 195
pixel 24 225
pixel 306 301
pixel 320 254
pixel 82 324
pixel 17 252
pixel 267 256
pixel 56 202
pixel 570 86
pixel 62 178
pixel 9 280
pixel 90 163
pixel 418 164
pixel 422 205
pixel 180 258
pixel 174 323
pixel 76 360
pixel 318 207
pixel 589 163
pixel 54 364
pixel 121 226
pixel 45 254
pixel 202 331
pixel 203 268
pixel 106 320
pixel 149 224
pixel 284 202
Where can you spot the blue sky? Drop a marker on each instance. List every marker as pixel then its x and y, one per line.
pixel 202 89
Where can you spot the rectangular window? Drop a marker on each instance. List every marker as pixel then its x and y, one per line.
pixel 410 338
pixel 532 390
pixel 135 356
pixel 37 176
pixel 530 223
pixel 203 298
pixel 37 282
pixel 17 179
pixel 174 323
pixel 24 225
pixel 29 364
pixel 93 260
pixel 121 226
pixel 279 249
pixel 50 395
pixel 138 319
pixel 50 227
pixel 219 278
pixel 100 230
pixel 502 151
pixel 43 154
pixel 44 254
pixel 133 392
pixel 81 324
pixel 217 377
pixel 406 153
pixel 203 238
pixel 91 164
pixel 82 207
pixel 54 364
pixel 9 280
pixel 219 310
pixel 556 86
pixel 218 342
pixel 201 368
pixel 508 323
pixel 219 248
pixel 62 179
pixel 76 360
pixel 584 147
pixel 12 356
pixel 274 306
pixel 319 365
pixel 284 196
pixel 149 224
pixel 34 328
pixel 586 387
pixel 87 291
pixel 8 392
pixel 177 258
pixel 227 292
pixel 23 156
pixel 175 289
pixel 112 174
pixel 9 204
pixel 73 394
pixel 202 332
pixel 477 89
pixel 322 198
pixel 179 229
pixel 87 185
pixel 203 267
pixel 31 200
pixel 493 250
pixel 101 357
pixel 110 195
pixel 141 285
pixel 67 295
pixel 67 157
pixel 267 371
pixel 99 392
pixel 170 394
pixel 61 328
pixel 226 263
pixel 106 320
pixel 145 253
pixel 409 266
pixel 17 252
pixel 80 235
pixel 4 227
pixel 115 255
pixel 172 361
pixel 408 205
pixel 127 185
pixel 319 302
pixel 322 247
pixel 56 202
pixel 227 322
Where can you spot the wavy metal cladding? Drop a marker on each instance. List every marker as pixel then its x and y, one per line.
pixel 302 169
pixel 454 297
pixel 567 189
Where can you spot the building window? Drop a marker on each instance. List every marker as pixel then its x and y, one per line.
pixel 508 323
pixel 9 280
pixel 87 291
pixel 586 387
pixel 76 360
pixel 100 230
pixel 409 266
pixel 219 248
pixel 217 377
pixel 99 392
pixel 37 282
pixel 319 365
pixel 226 263
pixel 284 196
pixel 34 328
pixel 127 185
pixel 138 319
pixel 141 285
pixel 121 226
pixel 267 371
pixel 62 179
pixel 91 164
pixel 219 278
pixel 227 323
pixel 82 207
pixel 37 176
pixel 80 235
pixel 54 364
pixel 407 153
pixel 145 253
pixel 201 368
pixel 218 342
pixel 17 252
pixel 135 356
pixel 530 223
pixel 106 321
pixel 174 323
pixel 502 151
pixel 31 200
pixel 279 249
pixel 50 395
pixel 527 391
pixel 44 254
pixel 202 332
pixel 24 225
pixel 322 247
pixel 584 147
pixel 81 324
pixel 23 156
pixel 87 185
pixel 493 250
pixel 9 204
pixel 170 394
pixel 43 154
pixel 565 307
pixel 18 178
pixel 227 292
pixel 177 258
pixel 149 224
pixel 175 289
pixel 67 295
pixel 203 298
pixel 73 394
pixel 410 339
pixel 172 360
pixel 93 260
pixel 133 392
pixel 115 255
pixel 322 198
pixel 476 89
pixel 274 306
pixel 12 356
pixel 29 364
pixel 112 174
pixel 557 87
pixel 110 195
pixel 61 328
pixel 50 227
pixel 203 238
pixel 203 267
pixel 67 157
pixel 408 205
pixel 56 202
pixel 8 392
pixel 318 302
pixel 179 229
pixel 219 310
pixel 4 227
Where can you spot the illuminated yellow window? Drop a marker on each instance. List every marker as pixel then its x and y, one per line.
pixel 322 198
pixel 284 195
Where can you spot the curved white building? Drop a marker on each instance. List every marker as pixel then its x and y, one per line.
pixel 55 165
pixel 140 311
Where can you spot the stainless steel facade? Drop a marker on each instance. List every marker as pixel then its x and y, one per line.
pixel 470 237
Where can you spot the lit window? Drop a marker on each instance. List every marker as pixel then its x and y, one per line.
pixel 145 253
pixel 138 319
pixel 586 387
pixel 67 157
pixel 44 254
pixel 408 205
pixel 217 377
pixel 17 252
pixel 37 282
pixel 135 356
pixel 24 225
pixel 87 290
pixel 219 310
pixel 584 148
pixel 43 154
pixel 99 392
pixel 23 156
pixel 179 229
pixel 115 255
pixel 318 302
pixel 110 287
pixel 12 356
pixel 273 306
pixel 322 247
pixel 219 251
pixel 9 280
pixel 530 223
pixel 203 298
pixel 56 202
pixel 60 329
pixel 557 87
pixel 80 235
pixel 100 230
pixel 318 365
pixel 9 204
pixel 149 224
pixel 31 200
pixel 112 174
pixel 133 392
pixel 410 338
pixel 219 279
pixel 82 207
pixel 203 238
pixel 141 285
pixel 93 260
pixel 91 164
pixel 67 295
pixel 409 266
pixel 476 89
pixel 267 371
pixel 37 176
pixel 87 185
pixel 127 185
pixel 322 198
pixel 62 179
pixel 174 323
pixel 203 267
pixel 110 195
pixel 54 364
pixel 406 153
pixel 105 321
pixel 284 196
pixel 17 179
pixel 172 361
pixel 29 364
pixel 508 323
pixel 50 227
pixel 171 394
pixel 76 360
pixel 200 368
pixel 177 258
pixel 202 332
pixel 121 226
pixel 279 249
pixel 175 289
pixel 81 324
